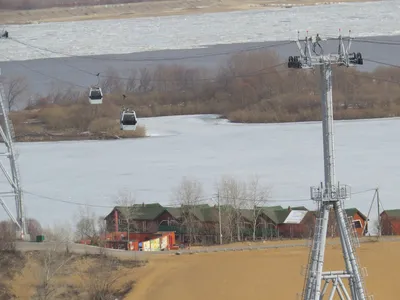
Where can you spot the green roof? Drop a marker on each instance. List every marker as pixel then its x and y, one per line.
pixel 174 211
pixel 277 216
pixel 277 207
pixel 248 214
pixel 352 211
pixel 141 211
pixel 392 213
pixel 209 214
pixel 203 212
pixel 299 208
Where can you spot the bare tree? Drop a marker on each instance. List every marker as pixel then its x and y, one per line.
pixel 131 84
pixel 111 82
pixel 34 228
pixel 188 196
pixel 101 277
pixel 86 225
pixel 14 89
pixel 7 236
pixel 52 261
pixel 232 193
pixel 257 197
pixel 128 210
pixel 145 80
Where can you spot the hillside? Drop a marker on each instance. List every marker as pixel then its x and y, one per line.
pixel 30 11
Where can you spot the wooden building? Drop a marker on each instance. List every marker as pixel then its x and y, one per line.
pixel 140 218
pixel 358 219
pixel 390 222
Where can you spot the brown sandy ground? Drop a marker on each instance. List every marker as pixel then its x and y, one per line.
pixel 252 274
pixel 263 274
pixel 146 9
pixel 82 277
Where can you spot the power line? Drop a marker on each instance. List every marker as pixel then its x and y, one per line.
pixel 374 78
pixel 158 58
pixel 382 63
pixel 44 74
pixel 368 41
pixel 199 200
pixel 168 80
pixel 249 74
pixel 379 42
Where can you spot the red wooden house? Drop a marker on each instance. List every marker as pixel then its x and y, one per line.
pixel 390 222
pixel 144 218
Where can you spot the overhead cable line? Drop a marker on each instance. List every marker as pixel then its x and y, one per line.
pixel 43 74
pixel 156 58
pixel 199 200
pixel 382 63
pixel 262 71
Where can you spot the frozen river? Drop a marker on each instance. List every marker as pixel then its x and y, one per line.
pixel 49 49
pixel 199 30
pixel 287 157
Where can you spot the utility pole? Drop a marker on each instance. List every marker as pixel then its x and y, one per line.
pixel 219 219
pixel 7 135
pixel 378 202
pixel 329 194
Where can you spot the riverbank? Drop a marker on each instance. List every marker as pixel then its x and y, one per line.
pixel 147 9
pixel 75 122
pixel 273 95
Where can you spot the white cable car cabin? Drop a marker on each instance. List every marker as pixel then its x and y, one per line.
pixel 128 120
pixel 95 95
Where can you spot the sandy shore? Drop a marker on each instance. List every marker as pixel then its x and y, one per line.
pixel 148 9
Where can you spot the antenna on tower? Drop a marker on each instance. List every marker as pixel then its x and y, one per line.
pixel 329 194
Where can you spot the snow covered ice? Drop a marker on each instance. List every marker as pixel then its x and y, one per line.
pixel 287 157
pixel 199 30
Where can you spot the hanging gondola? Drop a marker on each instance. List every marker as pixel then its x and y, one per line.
pixel 128 120
pixel 95 95
pixel 95 92
pixel 4 34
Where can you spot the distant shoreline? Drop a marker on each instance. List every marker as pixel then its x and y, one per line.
pixel 148 9
pixel 34 138
pixel 63 138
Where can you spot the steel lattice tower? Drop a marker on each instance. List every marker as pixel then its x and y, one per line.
pixel 11 175
pixel 330 195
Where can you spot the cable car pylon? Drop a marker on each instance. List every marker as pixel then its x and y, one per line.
pixel 12 173
pixel 330 195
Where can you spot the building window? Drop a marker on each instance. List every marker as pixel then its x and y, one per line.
pixel 357 224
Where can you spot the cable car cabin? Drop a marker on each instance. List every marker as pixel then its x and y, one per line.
pixel 4 34
pixel 128 120
pixel 95 96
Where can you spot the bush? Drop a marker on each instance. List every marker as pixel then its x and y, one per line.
pixel 239 91
pixel 102 125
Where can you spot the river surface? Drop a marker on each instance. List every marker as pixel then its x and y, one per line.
pixel 286 157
